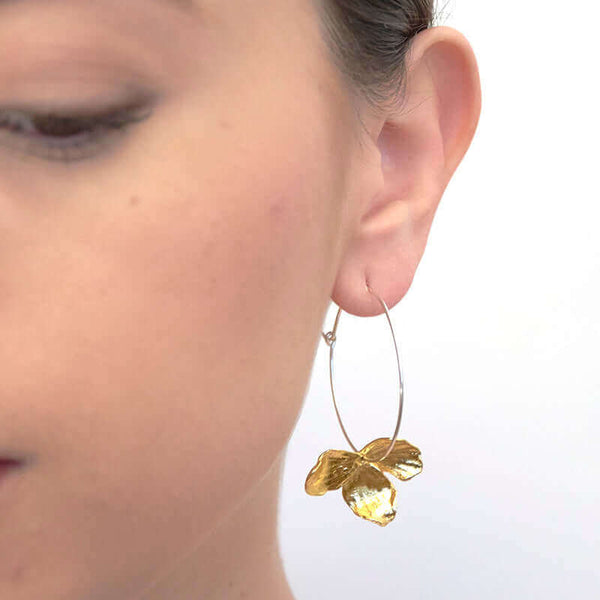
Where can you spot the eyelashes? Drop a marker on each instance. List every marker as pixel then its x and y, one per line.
pixel 67 136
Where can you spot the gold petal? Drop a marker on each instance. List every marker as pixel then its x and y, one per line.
pixel 332 469
pixel 370 495
pixel 403 461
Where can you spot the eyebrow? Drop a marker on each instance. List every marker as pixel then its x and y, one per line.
pixel 185 6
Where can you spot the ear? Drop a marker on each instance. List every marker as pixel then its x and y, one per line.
pixel 415 151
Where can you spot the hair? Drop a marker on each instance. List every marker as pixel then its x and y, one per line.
pixel 368 41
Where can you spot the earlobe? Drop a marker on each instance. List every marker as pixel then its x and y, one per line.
pixel 417 147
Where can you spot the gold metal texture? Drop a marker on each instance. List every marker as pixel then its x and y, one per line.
pixel 365 489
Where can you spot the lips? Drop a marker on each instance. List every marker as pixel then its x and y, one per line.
pixel 6 464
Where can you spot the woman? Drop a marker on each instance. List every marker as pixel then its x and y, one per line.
pixel 185 187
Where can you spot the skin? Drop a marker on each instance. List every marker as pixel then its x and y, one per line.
pixel 162 302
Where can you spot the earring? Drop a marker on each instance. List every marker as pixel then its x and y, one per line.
pixel 365 489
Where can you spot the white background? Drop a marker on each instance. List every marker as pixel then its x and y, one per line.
pixel 500 346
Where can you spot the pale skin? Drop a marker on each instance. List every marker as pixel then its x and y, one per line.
pixel 162 302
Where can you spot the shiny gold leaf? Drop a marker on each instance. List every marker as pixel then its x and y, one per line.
pixel 332 469
pixel 403 461
pixel 369 494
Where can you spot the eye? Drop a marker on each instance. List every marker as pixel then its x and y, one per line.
pixel 67 136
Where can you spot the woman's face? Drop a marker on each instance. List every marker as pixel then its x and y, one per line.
pixel 162 288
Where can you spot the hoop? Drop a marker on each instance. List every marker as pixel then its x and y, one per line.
pixel 330 339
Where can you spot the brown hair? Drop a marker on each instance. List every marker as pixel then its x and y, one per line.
pixel 368 41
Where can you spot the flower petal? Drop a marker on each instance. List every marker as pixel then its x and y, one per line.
pixel 370 495
pixel 332 469
pixel 402 462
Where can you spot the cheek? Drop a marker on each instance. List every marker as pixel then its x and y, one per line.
pixel 222 310
pixel 171 339
pixel 171 323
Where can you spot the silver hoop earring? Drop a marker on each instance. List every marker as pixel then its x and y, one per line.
pixel 360 474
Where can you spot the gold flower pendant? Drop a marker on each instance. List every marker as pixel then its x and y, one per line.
pixel 366 490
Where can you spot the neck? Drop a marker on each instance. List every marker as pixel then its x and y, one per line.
pixel 238 558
